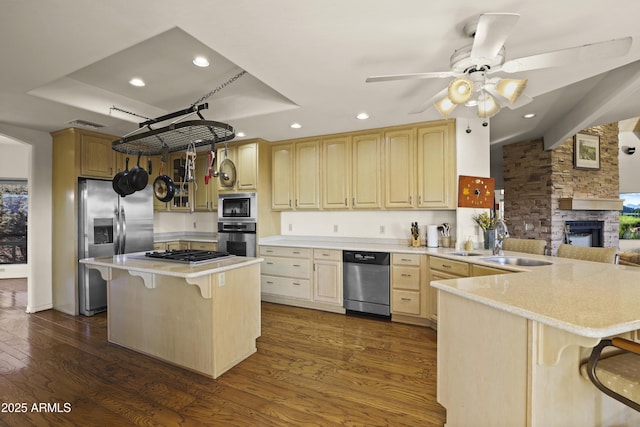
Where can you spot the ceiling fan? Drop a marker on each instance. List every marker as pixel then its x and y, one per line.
pixel 473 65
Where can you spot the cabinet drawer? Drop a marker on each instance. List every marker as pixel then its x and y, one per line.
pixel 449 266
pixel 481 270
pixel 159 246
pixel 327 254
pixel 284 286
pixel 405 259
pixel 405 278
pixel 290 267
pixel 406 302
pixel 204 246
pixel 285 252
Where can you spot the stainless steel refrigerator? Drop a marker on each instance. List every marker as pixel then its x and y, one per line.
pixel 108 225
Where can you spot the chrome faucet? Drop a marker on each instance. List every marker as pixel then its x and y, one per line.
pixel 500 233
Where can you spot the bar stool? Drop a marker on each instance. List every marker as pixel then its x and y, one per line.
pixel 529 246
pixel 607 255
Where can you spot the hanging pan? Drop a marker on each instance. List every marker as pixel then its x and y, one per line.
pixel 163 187
pixel 121 182
pixel 137 176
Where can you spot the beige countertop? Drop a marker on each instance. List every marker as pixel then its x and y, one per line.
pixel 166 268
pixel 582 297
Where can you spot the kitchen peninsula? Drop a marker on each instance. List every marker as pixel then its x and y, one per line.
pixel 510 346
pixel 205 317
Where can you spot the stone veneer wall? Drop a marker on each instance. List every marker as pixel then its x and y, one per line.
pixel 535 180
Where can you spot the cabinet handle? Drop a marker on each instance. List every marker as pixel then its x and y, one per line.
pixel 296 284
pixel 269 263
pixel 268 251
pixel 419 200
pixel 326 254
pixel 411 200
pixel 405 259
pixel 296 203
pixel 405 299
pixel 405 275
pixel 354 201
pixel 446 266
pixel 345 201
pixel 296 265
pixel 269 282
pixel 289 202
pixel 296 252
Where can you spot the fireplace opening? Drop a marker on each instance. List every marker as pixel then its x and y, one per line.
pixel 584 233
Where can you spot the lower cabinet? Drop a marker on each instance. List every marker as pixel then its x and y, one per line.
pixel 409 289
pixel 302 277
pixel 185 244
pixel 443 269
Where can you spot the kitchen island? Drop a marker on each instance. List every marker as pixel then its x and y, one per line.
pixel 510 346
pixel 205 318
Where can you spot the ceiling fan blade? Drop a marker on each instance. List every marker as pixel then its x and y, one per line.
pixel 434 75
pixel 522 100
pixel 491 33
pixel 587 52
pixel 429 102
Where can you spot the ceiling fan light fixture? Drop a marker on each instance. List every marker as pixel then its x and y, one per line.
pixel 460 90
pixel 487 106
pixel 445 106
pixel 511 88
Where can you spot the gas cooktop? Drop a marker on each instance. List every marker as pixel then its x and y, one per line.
pixel 187 256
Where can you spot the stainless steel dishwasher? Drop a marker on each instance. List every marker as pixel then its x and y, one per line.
pixel 366 282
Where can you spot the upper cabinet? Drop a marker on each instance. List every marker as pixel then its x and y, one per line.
pixel 408 167
pixel 246 157
pixel 420 166
pixel 97 158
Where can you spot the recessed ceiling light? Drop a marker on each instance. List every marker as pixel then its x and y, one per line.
pixel 240 134
pixel 362 116
pixel 529 115
pixel 296 125
pixel 137 82
pixel 200 61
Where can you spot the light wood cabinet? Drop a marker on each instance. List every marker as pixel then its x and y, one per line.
pixel 244 156
pixel 282 177
pixel 97 157
pixel 203 246
pixel 205 197
pixel 443 269
pixel 158 169
pixel 420 166
pixel 286 272
pixel 177 245
pixel 336 168
pixel 409 289
pixel 182 199
pixel 481 270
pixel 366 171
pixel 327 276
pixel 296 175
pixel 307 173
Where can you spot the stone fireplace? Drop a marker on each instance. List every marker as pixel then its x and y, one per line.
pixel 536 180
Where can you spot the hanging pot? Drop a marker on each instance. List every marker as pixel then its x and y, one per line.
pixel 138 177
pixel 163 187
pixel 124 189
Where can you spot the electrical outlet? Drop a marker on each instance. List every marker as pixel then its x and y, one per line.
pixel 221 280
pixel 290 227
pixel 382 229
pixel 194 224
pixel 335 228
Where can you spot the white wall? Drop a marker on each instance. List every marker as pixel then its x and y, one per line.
pixel 629 164
pixel 39 167
pixel 473 159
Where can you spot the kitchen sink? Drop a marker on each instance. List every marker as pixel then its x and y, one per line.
pixel 464 253
pixel 524 262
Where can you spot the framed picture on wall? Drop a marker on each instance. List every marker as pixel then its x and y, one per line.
pixel 586 151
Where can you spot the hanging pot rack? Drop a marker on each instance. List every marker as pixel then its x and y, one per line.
pixel 176 136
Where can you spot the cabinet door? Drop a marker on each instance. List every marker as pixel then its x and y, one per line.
pixel 155 172
pixel 229 153
pixel 247 166
pixel 181 199
pixel 282 177
pixel 97 156
pixel 366 171
pixel 399 177
pixel 436 167
pixel 307 172
pixel 327 285
pixel 201 200
pixel 336 182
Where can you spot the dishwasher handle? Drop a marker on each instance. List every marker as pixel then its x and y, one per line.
pixel 366 257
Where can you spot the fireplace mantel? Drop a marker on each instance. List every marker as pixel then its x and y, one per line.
pixel 590 204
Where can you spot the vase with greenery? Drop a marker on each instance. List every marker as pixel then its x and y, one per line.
pixel 488 223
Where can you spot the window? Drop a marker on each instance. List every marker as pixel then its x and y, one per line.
pixel 630 216
pixel 13 221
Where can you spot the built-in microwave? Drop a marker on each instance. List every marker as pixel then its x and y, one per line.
pixel 237 207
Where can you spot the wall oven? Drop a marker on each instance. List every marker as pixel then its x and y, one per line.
pixel 237 223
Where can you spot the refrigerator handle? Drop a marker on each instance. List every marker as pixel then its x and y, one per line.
pixel 116 241
pixel 124 232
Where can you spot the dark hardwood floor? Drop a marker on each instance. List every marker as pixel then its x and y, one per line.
pixel 312 368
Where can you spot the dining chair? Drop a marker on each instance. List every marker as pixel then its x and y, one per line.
pixel 530 246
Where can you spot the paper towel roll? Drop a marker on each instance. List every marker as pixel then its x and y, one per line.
pixel 432 236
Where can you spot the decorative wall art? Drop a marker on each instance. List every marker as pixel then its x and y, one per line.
pixel 586 151
pixel 475 192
